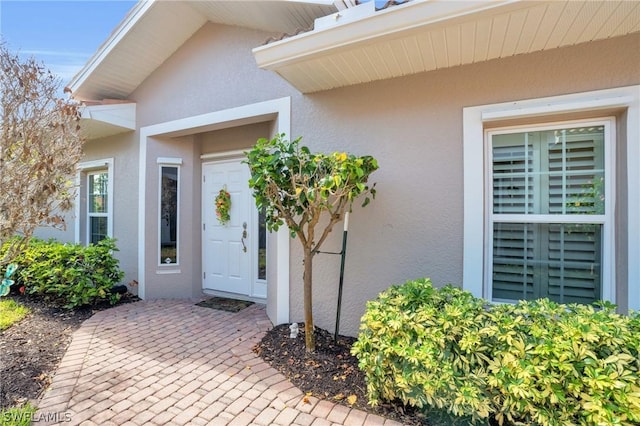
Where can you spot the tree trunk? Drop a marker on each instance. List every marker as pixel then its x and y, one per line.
pixel 310 340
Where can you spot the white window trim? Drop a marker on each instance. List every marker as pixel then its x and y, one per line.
pixel 606 219
pixel 168 162
pixel 87 211
pixel 474 119
pixel 83 169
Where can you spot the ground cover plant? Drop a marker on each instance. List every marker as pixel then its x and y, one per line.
pixel 11 312
pixel 529 363
pixel 17 416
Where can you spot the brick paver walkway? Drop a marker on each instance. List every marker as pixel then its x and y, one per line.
pixel 169 362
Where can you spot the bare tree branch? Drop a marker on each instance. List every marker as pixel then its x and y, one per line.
pixel 40 146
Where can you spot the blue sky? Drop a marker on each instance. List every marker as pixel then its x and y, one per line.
pixel 62 34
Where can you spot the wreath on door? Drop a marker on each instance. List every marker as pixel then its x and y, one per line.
pixel 223 206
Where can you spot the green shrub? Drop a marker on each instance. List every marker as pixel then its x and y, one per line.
pixel 70 274
pixel 532 362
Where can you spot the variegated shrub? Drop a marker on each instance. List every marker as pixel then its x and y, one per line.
pixel 529 363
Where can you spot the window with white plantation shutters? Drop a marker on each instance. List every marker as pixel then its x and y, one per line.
pixel 548 212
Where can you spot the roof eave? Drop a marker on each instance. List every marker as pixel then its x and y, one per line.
pixel 357 45
pixel 382 24
pixel 100 121
pixel 132 18
pixel 115 70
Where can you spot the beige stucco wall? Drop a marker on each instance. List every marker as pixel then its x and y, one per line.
pixel 212 71
pixel 171 281
pixel 412 125
pixel 123 149
pixel 64 234
pixel 234 138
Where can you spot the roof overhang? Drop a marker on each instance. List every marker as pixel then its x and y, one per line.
pixel 154 29
pixel 100 121
pixel 360 44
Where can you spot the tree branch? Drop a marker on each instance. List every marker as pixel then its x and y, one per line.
pixel 335 218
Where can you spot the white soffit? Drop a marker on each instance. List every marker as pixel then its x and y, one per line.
pixel 99 121
pixel 154 29
pixel 283 16
pixel 422 35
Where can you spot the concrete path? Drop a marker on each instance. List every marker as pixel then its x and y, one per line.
pixel 169 362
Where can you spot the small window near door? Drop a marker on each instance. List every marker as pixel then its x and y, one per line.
pixel 169 176
pixel 97 211
pixel 262 245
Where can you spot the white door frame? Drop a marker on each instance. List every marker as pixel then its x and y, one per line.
pixel 236 157
pixel 277 111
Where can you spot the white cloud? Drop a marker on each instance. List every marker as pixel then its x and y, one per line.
pixel 63 64
pixel 65 71
pixel 56 54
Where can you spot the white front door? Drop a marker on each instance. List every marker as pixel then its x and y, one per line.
pixel 228 250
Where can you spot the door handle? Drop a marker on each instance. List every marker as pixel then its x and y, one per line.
pixel 244 235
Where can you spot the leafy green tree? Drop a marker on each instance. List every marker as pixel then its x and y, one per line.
pixel 297 187
pixel 40 146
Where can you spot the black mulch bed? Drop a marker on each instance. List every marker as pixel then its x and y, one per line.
pixel 31 350
pixel 330 373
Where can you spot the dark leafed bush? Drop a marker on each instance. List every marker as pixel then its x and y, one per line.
pixel 532 362
pixel 70 274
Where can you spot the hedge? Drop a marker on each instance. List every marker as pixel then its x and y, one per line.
pixel 69 274
pixel 534 362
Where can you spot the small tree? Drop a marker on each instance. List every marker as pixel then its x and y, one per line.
pixel 297 187
pixel 40 147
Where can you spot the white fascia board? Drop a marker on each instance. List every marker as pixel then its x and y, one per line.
pixel 356 28
pixel 120 115
pixel 134 16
